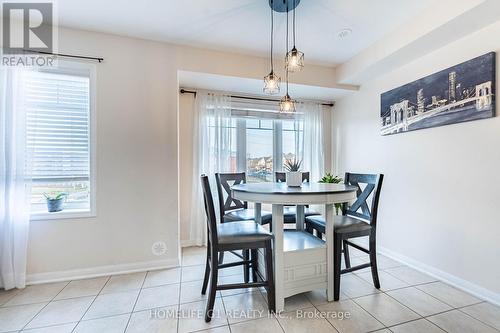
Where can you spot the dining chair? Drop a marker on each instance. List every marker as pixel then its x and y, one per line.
pixel 357 220
pixel 231 209
pixel 232 236
pixel 289 212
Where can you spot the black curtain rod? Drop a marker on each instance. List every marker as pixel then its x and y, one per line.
pixel 184 91
pixel 66 55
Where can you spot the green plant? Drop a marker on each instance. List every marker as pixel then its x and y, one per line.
pixel 331 179
pixel 292 165
pixel 55 195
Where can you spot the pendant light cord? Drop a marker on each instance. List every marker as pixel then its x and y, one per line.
pixel 294 23
pixel 272 29
pixel 286 68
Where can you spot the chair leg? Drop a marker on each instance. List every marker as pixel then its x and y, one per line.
pixel 255 265
pixel 373 261
pixel 207 271
pixel 271 296
pixel 221 257
pixel 346 254
pixel 246 267
pixel 337 262
pixel 213 288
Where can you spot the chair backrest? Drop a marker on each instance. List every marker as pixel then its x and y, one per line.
pixel 281 176
pixel 224 183
pixel 373 183
pixel 210 211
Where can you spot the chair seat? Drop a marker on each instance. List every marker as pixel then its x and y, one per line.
pixel 238 232
pixel 289 213
pixel 342 224
pixel 246 215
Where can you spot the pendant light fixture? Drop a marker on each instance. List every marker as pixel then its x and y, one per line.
pixel 294 61
pixel 272 81
pixel 287 104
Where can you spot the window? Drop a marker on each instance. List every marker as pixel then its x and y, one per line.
pixel 264 138
pixel 59 137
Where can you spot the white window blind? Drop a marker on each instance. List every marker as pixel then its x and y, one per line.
pixel 58 134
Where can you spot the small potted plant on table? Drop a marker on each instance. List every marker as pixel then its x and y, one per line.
pixel 55 201
pixel 331 179
pixel 293 175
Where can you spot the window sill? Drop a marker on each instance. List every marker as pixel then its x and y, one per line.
pixel 62 215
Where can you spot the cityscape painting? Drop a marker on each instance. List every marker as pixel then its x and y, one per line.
pixel 458 94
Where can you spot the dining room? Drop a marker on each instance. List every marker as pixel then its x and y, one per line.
pixel 244 166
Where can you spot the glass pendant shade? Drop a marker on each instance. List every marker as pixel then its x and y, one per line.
pixel 294 61
pixel 287 104
pixel 272 84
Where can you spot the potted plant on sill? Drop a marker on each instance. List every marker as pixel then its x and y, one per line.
pixel 55 201
pixel 331 179
pixel 293 175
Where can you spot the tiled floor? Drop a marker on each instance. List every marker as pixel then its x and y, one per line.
pixel 170 301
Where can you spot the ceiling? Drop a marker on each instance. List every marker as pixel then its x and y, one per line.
pixel 242 26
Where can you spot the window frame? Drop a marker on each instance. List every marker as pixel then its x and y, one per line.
pixel 89 70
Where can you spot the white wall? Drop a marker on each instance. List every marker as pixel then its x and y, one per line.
pixel 137 155
pixel 440 198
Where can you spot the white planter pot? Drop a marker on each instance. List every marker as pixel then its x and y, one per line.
pixel 294 179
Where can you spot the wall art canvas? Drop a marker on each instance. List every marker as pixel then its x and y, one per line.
pixel 461 93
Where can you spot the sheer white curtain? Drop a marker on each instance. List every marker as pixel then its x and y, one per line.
pixel 15 185
pixel 212 153
pixel 314 143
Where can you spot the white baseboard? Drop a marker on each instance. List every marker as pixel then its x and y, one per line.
pixel 92 272
pixel 453 280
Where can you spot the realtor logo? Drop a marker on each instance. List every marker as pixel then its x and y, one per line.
pixel 27 27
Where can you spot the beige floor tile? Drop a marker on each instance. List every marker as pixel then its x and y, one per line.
pixel 157 321
pixel 162 277
pixel 387 281
pixel 410 275
pixel 319 297
pixel 459 322
pixel 192 317
pixel 124 282
pixel 417 326
pixel 114 324
pixel 267 325
pixel 155 297
pixel 485 312
pixel 296 302
pixel 384 262
pixel 222 329
pixel 64 328
pixel 191 292
pixel 306 320
pixel 112 304
pixel 448 294
pixel 193 256
pixel 82 288
pixel 235 270
pixel 348 317
pixel 193 273
pixel 385 309
pixel 243 307
pixel 418 301
pixel 234 279
pixel 354 286
pixel 16 317
pixel 7 295
pixel 37 293
pixel 62 312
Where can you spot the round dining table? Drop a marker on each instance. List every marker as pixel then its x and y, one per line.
pixel 302 262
